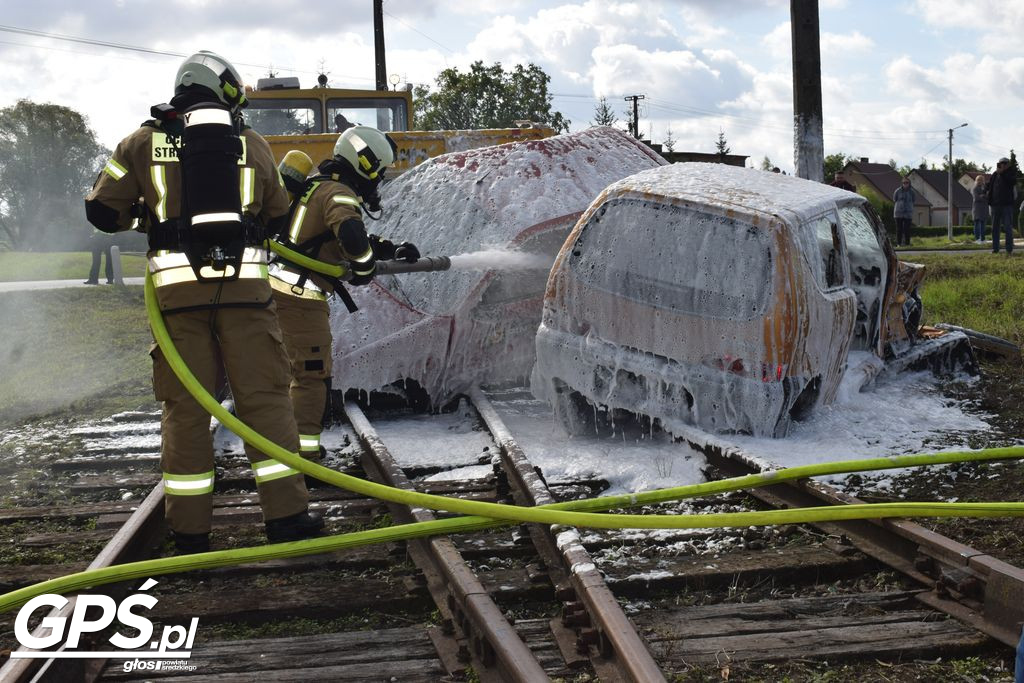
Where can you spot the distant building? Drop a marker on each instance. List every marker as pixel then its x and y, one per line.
pixel 883 179
pixel 969 178
pixel 934 186
pixel 710 157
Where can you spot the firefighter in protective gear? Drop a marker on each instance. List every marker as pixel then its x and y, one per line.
pixel 326 224
pixel 215 313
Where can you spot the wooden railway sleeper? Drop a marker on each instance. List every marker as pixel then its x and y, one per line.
pixel 495 648
pixel 919 553
pixel 572 568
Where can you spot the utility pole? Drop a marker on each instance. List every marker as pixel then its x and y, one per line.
pixel 378 44
pixel 635 123
pixel 809 145
pixel 949 194
pixel 383 115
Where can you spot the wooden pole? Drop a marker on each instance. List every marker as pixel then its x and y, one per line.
pixel 809 136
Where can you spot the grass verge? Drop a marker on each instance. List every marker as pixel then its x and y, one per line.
pixel 16 266
pixel 984 292
pixel 958 242
pixel 82 349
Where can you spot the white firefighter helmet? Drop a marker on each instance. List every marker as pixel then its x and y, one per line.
pixel 213 72
pixel 369 151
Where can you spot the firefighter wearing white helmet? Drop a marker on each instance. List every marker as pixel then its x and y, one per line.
pixel 213 194
pixel 326 225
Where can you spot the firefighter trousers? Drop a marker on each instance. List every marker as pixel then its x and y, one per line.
pixel 248 342
pixel 305 324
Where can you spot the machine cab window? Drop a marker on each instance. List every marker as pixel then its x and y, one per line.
pixel 284 116
pixel 383 113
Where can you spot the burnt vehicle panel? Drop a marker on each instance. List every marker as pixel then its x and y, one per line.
pixel 447 331
pixel 717 296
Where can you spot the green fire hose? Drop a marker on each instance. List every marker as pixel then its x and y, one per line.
pixel 484 515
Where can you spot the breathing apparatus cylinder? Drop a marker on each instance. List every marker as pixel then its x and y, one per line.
pixel 295 168
pixel 211 203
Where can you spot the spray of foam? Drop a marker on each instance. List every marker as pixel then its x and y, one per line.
pixel 501 259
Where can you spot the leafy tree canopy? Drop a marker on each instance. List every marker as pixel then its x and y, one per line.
pixel 487 97
pixel 836 162
pixel 48 161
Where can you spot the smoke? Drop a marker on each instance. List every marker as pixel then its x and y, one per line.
pixel 501 259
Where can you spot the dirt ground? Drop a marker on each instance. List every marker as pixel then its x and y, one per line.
pixel 997 395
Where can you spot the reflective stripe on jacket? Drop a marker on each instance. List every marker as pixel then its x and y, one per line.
pixel 145 165
pixel 324 207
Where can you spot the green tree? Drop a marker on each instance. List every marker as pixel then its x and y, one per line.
pixel 487 97
pixel 766 164
pixel 882 205
pixel 604 115
pixel 48 161
pixel 960 166
pixel 835 162
pixel 721 145
pixel 902 170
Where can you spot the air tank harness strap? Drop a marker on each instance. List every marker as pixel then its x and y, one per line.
pixel 173 234
pixel 299 257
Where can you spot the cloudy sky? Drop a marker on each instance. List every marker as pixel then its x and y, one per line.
pixel 896 75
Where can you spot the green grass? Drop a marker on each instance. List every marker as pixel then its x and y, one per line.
pixel 959 242
pixel 64 265
pixel 83 349
pixel 984 292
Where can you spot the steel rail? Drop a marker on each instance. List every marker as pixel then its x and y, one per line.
pixel 133 540
pixel 578 582
pixel 497 651
pixel 967 584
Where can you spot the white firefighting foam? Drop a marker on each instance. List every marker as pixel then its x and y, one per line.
pixel 501 259
pixel 698 293
pixel 449 330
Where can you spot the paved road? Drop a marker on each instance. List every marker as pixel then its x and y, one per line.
pixel 29 285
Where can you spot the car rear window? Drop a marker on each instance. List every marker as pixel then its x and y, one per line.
pixel 676 258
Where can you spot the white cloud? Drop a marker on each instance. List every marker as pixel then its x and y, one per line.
pixel 903 77
pixel 999 18
pixel 779 42
pixel 845 43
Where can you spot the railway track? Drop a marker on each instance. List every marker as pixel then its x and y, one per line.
pixel 517 602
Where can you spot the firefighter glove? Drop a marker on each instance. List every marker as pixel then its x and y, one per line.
pixel 407 251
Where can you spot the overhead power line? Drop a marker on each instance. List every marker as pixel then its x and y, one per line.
pixel 135 48
pixel 416 30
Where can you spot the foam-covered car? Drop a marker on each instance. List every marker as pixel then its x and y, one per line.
pixel 722 297
pixel 448 330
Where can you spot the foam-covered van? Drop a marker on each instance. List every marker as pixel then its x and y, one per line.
pixel 717 296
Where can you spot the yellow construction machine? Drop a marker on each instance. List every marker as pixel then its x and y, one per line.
pixel 310 119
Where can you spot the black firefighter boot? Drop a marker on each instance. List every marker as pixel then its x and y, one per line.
pixel 186 544
pixel 295 527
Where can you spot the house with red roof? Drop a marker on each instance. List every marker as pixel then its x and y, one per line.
pixel 883 180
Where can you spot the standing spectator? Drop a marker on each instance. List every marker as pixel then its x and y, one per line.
pixel 1000 194
pixel 903 210
pixel 979 208
pixel 839 180
pixel 100 243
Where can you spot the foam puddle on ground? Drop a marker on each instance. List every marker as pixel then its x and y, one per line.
pixel 629 466
pixel 903 415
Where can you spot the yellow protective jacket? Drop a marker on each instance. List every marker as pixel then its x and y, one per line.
pixel 145 165
pixel 328 213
